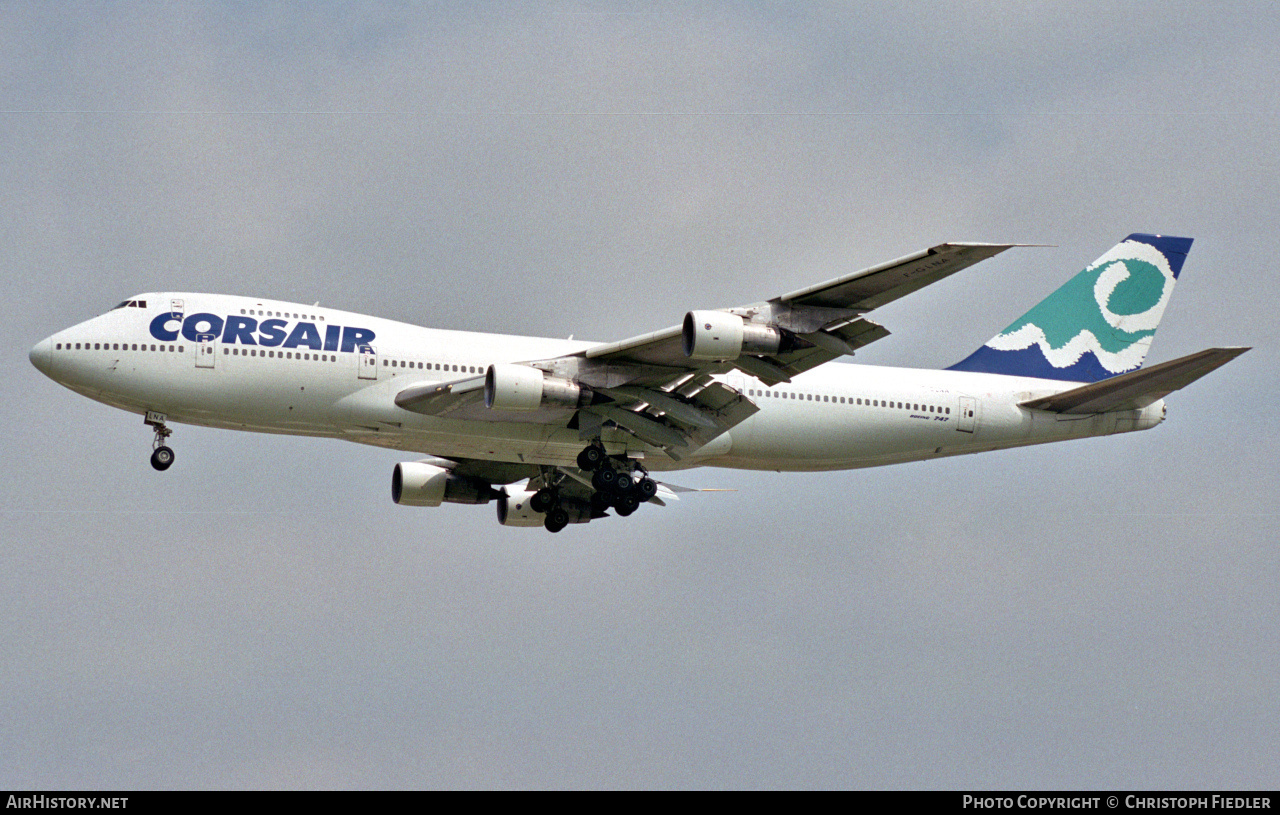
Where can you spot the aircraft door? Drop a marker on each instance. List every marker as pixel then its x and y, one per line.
pixel 968 419
pixel 368 359
pixel 206 350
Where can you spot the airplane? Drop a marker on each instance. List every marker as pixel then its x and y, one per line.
pixel 560 432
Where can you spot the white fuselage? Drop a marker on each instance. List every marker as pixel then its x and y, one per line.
pixel 286 368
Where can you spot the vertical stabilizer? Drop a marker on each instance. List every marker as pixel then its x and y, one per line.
pixel 1099 325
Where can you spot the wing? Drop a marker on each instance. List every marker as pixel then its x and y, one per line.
pixel 818 323
pixel 662 387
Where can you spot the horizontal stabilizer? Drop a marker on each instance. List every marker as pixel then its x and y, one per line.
pixel 1136 389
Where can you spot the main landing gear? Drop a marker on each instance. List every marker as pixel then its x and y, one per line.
pixel 616 484
pixel 161 454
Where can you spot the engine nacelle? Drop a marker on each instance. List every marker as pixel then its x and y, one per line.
pixel 519 387
pixel 716 335
pixel 418 484
pixel 514 509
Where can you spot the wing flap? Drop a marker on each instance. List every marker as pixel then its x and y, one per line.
pixel 680 427
pixel 1136 389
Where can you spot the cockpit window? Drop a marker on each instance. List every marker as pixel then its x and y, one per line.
pixel 123 305
pixel 132 304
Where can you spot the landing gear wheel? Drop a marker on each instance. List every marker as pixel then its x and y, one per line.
pixel 542 500
pixel 557 519
pixel 646 488
pixel 600 504
pixel 624 484
pixel 604 479
pixel 162 458
pixel 626 505
pixel 592 457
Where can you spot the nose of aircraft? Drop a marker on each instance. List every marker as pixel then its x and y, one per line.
pixel 42 356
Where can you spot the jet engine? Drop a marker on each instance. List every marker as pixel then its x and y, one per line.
pixel 514 509
pixel 716 335
pixel 519 387
pixel 418 484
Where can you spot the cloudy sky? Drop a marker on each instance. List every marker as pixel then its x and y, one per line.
pixel 1097 614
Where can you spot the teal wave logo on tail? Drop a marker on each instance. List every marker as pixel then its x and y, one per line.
pixel 1100 324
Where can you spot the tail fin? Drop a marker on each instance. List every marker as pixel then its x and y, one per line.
pixel 1099 325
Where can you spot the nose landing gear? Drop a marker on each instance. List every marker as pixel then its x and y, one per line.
pixel 161 454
